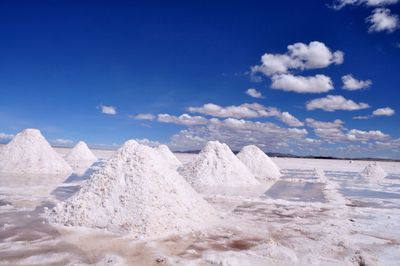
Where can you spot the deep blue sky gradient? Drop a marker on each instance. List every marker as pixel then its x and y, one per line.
pixel 59 60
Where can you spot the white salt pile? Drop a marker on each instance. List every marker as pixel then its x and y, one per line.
pixel 135 192
pixel 262 167
pixel 373 172
pixel 320 175
pixel 216 165
pixel 167 154
pixel 30 153
pixel 80 156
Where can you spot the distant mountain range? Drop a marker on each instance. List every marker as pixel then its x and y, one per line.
pixel 288 155
pixel 270 154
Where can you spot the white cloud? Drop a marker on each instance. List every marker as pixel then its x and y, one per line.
pixel 4 136
pixel 331 131
pixel 241 111
pixel 254 93
pixel 360 135
pixel 381 19
pixel 351 84
pixel 246 110
pixel 108 109
pixel 361 117
pixel 335 132
pixel 338 4
pixel 63 142
pixel 299 56
pixel 300 84
pixel 239 132
pixel 144 116
pixel 147 142
pixel 290 120
pixel 332 103
pixel 184 119
pixel 387 111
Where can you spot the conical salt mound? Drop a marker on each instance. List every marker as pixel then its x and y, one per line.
pixel 373 172
pixel 167 154
pixel 80 154
pixel 262 167
pixel 134 192
pixel 216 165
pixel 30 153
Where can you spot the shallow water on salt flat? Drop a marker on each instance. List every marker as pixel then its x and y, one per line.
pixel 366 193
pixel 305 191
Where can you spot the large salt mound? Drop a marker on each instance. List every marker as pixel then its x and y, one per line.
pixel 373 172
pixel 262 167
pixel 80 155
pixel 30 153
pixel 135 192
pixel 216 165
pixel 166 153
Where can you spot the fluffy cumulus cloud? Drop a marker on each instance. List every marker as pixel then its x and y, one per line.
pixel 144 116
pixel 299 56
pixel 290 120
pixel 328 131
pixel 334 132
pixel 332 103
pixel 300 84
pixel 185 119
pixel 241 111
pixel 246 110
pixel 351 84
pixel 382 19
pixel 338 4
pixel 62 142
pixel 147 142
pixel 237 133
pixel 108 109
pixel 387 111
pixel 360 135
pixel 5 137
pixel 254 93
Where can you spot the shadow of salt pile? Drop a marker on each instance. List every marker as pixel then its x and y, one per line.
pixel 72 184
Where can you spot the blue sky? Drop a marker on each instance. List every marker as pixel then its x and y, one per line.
pixel 62 61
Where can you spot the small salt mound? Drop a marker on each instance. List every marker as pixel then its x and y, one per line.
pixel 320 175
pixel 216 165
pixel 30 153
pixel 262 167
pixel 135 192
pixel 166 153
pixel 373 172
pixel 80 156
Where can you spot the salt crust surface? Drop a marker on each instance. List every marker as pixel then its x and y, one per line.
pixel 30 153
pixel 136 193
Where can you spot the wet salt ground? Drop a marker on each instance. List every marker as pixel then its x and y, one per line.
pixel 277 226
pixel 305 191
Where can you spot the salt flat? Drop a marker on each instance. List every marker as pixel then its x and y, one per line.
pixel 301 219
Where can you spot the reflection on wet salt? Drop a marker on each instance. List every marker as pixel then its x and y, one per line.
pixel 297 191
pixel 64 192
pixel 366 193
